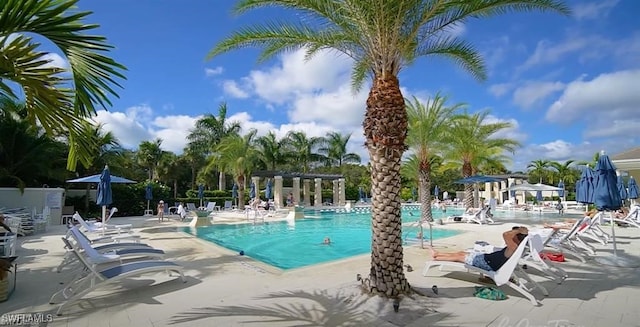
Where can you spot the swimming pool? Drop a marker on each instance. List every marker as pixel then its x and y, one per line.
pixel 289 245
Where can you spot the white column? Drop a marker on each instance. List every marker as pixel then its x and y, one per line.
pixel 277 191
pixel 318 192
pixel 296 190
pixel 343 196
pixel 306 191
pixel 336 193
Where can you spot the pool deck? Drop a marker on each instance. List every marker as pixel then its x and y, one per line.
pixel 225 289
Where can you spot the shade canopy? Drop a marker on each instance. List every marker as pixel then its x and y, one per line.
pixel 633 188
pixel 104 197
pixel 96 179
pixel 606 194
pixel 478 179
pixel 533 187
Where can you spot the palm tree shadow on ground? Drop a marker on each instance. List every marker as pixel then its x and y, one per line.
pixel 348 306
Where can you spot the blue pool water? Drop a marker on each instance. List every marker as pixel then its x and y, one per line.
pixel 293 245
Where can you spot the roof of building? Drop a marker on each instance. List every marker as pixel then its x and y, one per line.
pixel 627 155
pixel 289 174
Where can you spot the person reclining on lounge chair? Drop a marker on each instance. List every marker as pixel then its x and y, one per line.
pixel 486 261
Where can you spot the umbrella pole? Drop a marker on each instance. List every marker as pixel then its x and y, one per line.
pixel 613 233
pixel 148 205
pixel 421 235
pixel 104 216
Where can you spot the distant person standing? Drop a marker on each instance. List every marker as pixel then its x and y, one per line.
pixel 560 207
pixel 160 211
pixel 290 200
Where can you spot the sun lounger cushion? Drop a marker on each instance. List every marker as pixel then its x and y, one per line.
pixel 131 267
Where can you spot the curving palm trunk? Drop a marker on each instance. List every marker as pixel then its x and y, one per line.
pixel 222 181
pixel 385 129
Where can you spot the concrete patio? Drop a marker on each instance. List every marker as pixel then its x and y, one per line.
pixel 226 289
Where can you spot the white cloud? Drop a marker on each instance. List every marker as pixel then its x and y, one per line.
pixel 584 49
pixel 501 89
pixel 593 10
pixel 533 92
pixel 173 130
pixel 607 97
pixel 513 132
pixel 340 107
pixel 231 88
pixel 55 60
pixel 127 130
pixel 213 71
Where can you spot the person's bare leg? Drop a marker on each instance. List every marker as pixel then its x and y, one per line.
pixel 450 256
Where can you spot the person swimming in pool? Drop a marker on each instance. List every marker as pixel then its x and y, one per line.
pixel 327 241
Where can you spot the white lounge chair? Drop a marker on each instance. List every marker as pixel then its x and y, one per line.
pixel 533 258
pixel 92 228
pixel 106 252
pixel 110 226
pixel 569 242
pixel 96 278
pixel 632 218
pixel 503 276
pixel 594 232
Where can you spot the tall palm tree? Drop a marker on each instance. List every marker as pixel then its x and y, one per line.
pixel 382 37
pixel 303 149
pixel 539 169
pixel 427 129
pixel 149 155
pixel 472 143
pixel 271 150
pixel 334 149
pixel 56 101
pixel 208 132
pixel 565 171
pixel 237 155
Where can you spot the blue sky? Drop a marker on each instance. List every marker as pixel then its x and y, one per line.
pixel 570 86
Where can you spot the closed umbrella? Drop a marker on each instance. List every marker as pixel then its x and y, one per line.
pixel 561 191
pixel 607 198
pixel 633 189
pixel 585 186
pixel 201 193
pixel 104 197
pixel 269 190
pixel 539 196
pixel 622 189
pixel 252 191
pixel 414 194
pixel 234 192
pixel 436 192
pixel 148 194
pixel 361 194
pixel 512 193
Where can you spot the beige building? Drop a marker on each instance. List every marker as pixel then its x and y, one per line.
pixel 628 161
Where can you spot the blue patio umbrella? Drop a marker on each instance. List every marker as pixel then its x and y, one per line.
pixel 539 196
pixel 607 198
pixel 585 186
pixel 269 190
pixel 633 188
pixel 104 197
pixel 561 187
pixel 96 179
pixel 234 192
pixel 361 194
pixel 201 193
pixel 622 189
pixel 512 193
pixel 252 191
pixel 436 192
pixel 414 193
pixel 148 194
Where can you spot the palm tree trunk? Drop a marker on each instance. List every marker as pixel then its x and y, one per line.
pixel 175 188
pixel 425 192
pixel 468 188
pixel 240 181
pixel 222 183
pixel 385 128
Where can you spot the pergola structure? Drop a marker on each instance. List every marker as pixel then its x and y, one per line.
pixel 628 161
pixel 338 186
